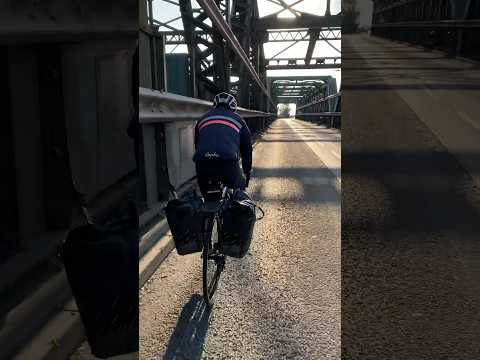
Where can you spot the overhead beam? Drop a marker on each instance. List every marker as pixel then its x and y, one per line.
pixel 285 6
pixel 332 33
pixel 176 37
pixel 304 66
pixel 306 21
pixel 289 7
pixel 305 78
pixel 301 58
pixel 301 39
pixel 172 2
pixel 283 50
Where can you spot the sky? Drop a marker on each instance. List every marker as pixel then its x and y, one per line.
pixel 164 11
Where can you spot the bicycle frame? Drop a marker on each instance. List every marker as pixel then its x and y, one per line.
pixel 211 212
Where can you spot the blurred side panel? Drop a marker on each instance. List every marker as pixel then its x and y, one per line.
pixel 69 100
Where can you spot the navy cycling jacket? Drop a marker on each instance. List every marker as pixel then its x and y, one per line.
pixel 222 134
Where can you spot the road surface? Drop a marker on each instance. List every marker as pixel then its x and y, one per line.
pixel 283 299
pixel 443 93
pixel 410 203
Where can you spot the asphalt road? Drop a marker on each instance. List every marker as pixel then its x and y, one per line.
pixel 283 299
pixel 442 92
pixel 410 203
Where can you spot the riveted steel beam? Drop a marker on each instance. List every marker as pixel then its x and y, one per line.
pixel 306 21
pixel 212 10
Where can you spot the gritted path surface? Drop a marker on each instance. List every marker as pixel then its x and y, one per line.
pixel 283 299
pixel 410 204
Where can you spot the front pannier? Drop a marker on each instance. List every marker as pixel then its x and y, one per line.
pixel 238 220
pixel 185 221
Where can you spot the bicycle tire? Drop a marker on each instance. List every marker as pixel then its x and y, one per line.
pixel 212 267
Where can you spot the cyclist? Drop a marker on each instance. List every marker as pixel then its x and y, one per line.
pixel 221 138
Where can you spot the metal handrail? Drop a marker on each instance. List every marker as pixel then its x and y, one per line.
pixel 160 106
pixel 321 100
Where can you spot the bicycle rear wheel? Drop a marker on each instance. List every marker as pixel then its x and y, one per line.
pixel 213 263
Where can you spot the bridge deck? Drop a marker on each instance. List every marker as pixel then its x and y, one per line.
pixel 283 299
pixel 442 92
pixel 410 207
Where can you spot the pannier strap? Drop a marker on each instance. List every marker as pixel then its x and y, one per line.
pixel 172 189
pixel 261 210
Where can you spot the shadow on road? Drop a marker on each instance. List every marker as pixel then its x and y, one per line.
pixel 410 226
pixel 188 338
pixel 317 185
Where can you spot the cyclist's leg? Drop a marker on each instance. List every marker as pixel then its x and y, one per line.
pixel 228 172
pixel 205 172
pixel 232 175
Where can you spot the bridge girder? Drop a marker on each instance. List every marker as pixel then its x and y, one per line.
pixel 303 66
pixel 298 35
pixel 209 70
pixel 243 17
pixel 306 27
pixel 306 21
pixel 297 89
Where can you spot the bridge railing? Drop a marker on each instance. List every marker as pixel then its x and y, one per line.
pixel 454 37
pixel 450 26
pixel 320 111
pixel 167 143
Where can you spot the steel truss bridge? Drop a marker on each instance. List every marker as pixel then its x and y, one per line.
pixel 225 43
pixel 224 50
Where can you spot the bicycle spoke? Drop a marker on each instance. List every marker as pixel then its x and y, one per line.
pixel 213 261
pixel 213 264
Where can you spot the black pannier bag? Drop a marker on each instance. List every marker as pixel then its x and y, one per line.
pixel 184 218
pixel 101 262
pixel 238 221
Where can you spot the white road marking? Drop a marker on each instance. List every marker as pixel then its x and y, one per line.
pixel 334 168
pixel 468 119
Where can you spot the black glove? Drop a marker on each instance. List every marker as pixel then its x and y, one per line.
pixel 247 179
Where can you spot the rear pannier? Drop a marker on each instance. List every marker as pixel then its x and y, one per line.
pixel 238 221
pixel 185 220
